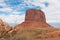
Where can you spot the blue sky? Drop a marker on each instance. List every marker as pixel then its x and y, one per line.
pixel 13 11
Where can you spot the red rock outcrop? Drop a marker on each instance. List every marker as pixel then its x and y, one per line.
pixel 3 25
pixel 4 28
pixel 34 15
pixel 34 19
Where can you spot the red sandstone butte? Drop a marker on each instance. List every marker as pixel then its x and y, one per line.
pixel 34 19
pixel 34 15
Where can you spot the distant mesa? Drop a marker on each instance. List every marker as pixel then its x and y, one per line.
pixel 34 19
pixel 34 15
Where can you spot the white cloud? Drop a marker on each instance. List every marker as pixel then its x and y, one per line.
pixel 12 18
pixel 6 9
pixel 52 12
pixel 35 2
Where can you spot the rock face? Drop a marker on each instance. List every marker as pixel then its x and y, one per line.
pixel 34 15
pixel 34 19
pixel 3 25
pixel 5 29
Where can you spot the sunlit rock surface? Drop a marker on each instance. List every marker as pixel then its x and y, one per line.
pixel 34 19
